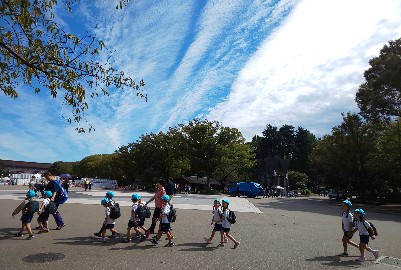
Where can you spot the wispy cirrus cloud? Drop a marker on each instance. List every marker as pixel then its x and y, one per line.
pixel 308 72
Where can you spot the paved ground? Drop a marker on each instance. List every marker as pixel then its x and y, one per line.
pixel 301 233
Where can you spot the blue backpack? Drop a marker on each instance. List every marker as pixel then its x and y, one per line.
pixel 62 196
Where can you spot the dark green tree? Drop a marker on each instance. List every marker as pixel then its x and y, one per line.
pixel 380 96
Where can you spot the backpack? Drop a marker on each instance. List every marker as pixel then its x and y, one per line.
pixel 172 215
pixel 373 228
pixel 33 206
pixel 62 195
pixel 232 218
pixel 115 211
pixel 142 212
pixel 51 208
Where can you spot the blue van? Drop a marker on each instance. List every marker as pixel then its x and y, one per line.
pixel 248 189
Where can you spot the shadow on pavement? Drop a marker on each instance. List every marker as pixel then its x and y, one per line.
pixel 85 241
pixel 325 206
pixel 335 261
pixel 7 233
pixel 196 247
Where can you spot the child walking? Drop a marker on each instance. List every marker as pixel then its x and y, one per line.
pixel 109 196
pixel 217 220
pixel 226 225
pixel 108 222
pixel 365 230
pixel 27 214
pixel 165 223
pixel 135 221
pixel 44 213
pixel 347 227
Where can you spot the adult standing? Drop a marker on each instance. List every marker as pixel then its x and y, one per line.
pixel 66 184
pixel 160 191
pixel 54 188
pixel 170 188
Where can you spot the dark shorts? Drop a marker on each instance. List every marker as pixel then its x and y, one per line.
pixel 43 217
pixel 132 224
pixel 225 229
pixel 217 227
pixel 346 235
pixel 165 227
pixel 27 218
pixel 109 226
pixel 364 239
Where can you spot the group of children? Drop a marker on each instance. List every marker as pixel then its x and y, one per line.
pixel 350 224
pixel 137 220
pixel 29 207
pixel 221 213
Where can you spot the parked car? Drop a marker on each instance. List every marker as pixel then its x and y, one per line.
pixel 333 194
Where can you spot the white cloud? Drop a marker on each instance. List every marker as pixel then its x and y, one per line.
pixel 308 72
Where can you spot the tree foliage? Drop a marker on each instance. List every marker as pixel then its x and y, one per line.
pixel 380 96
pixel 36 51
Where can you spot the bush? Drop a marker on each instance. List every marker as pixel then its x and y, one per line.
pixel 308 192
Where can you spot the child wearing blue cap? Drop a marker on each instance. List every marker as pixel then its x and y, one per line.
pixel 134 221
pixel 27 213
pixel 109 196
pixel 108 222
pixel 347 226
pixel 43 213
pixel 217 220
pixel 226 225
pixel 365 230
pixel 165 223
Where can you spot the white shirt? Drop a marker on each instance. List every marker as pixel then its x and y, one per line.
pixel 217 216
pixel 133 210
pixel 165 212
pixel 45 202
pixel 110 221
pixel 225 222
pixel 361 227
pixel 347 219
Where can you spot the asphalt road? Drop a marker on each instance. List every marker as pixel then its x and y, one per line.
pixel 300 233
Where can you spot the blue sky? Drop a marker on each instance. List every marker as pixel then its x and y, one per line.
pixel 244 63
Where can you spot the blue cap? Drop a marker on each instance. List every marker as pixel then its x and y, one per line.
pixel 110 194
pixel 104 201
pixel 135 197
pixel 165 198
pixel 226 201
pixel 218 201
pixel 347 202
pixel 30 194
pixel 360 211
pixel 48 193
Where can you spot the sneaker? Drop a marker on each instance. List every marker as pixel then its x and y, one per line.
pixel 169 244
pixel 376 254
pixel 97 234
pixel 39 228
pixel 136 237
pixel 127 240
pixel 43 231
pixel 221 245
pixel 60 227
pixel 154 236
pixel 18 235
pixel 154 242
pixel 225 240
pixel 112 236
pixel 344 254
pixel 143 238
pixel 236 245
pixel 208 241
pixel 30 237
pixel 360 259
